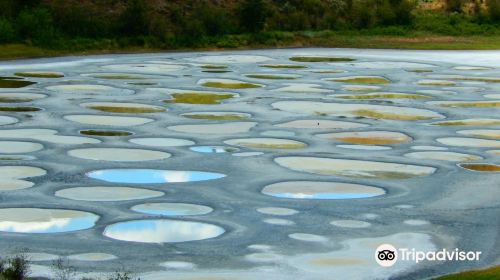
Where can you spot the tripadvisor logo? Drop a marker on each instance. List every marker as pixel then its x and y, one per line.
pixel 386 255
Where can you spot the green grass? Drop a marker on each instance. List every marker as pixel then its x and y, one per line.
pixel 19 109
pixel 198 98
pixel 105 132
pixel 232 85
pixel 406 39
pixel 484 274
pixel 13 82
pixel 39 74
pixel 361 80
pixel 131 110
pixel 14 100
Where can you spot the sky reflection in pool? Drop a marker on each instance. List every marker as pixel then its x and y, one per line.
pixel 152 176
pixel 213 149
pixel 37 220
pixel 172 209
pixel 321 190
pixel 161 231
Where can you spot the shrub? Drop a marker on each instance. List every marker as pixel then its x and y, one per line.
pixel 7 33
pixel 62 270
pixel 494 10
pixel 16 268
pixel 252 15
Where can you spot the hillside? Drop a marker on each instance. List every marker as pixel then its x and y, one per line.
pixel 78 25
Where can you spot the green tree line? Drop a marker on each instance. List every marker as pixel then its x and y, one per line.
pixel 184 23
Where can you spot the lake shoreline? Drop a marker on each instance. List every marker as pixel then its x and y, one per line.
pixel 418 42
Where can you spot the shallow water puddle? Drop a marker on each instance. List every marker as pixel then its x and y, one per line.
pixel 381 95
pixel 106 193
pixel 178 265
pixel 273 76
pixel 429 82
pixel 321 124
pixel 227 83
pixel 12 177
pixel 466 103
pixel 277 133
pixel 47 135
pixel 89 89
pixel 365 147
pixel 105 133
pixel 14 82
pixel 20 97
pixel 354 168
pixel 350 224
pixel 469 78
pixel 469 142
pixel 118 154
pixel 494 152
pixel 368 137
pixel 40 220
pixel 483 167
pixel 360 88
pixel 118 76
pixel 387 65
pixel 213 149
pixel 356 110
pixel 303 88
pixel 236 58
pixel 17 147
pixel 199 97
pixel 307 237
pixel 162 231
pixel 147 68
pixel 108 120
pixel 266 143
pixel 307 58
pixel 492 96
pixel 446 156
pixel 220 128
pixel 279 222
pixel 428 148
pixel 152 176
pixel 355 258
pixel 92 257
pixel 321 190
pixel 5 120
pixel 16 157
pixel 277 211
pixel 162 142
pixel 130 108
pixel 216 71
pixel 436 92
pixel 40 74
pixel 217 116
pixel 471 68
pixel 172 209
pixel 247 154
pixel 486 133
pixel 419 70
pixel 284 66
pixel 360 80
pixel 468 122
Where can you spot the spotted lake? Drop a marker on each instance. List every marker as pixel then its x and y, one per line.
pixel 270 164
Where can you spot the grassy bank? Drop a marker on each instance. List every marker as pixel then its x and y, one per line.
pixel 421 41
